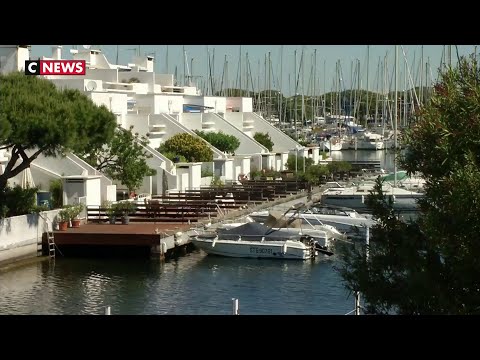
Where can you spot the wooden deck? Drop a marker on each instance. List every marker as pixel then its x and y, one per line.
pixel 134 234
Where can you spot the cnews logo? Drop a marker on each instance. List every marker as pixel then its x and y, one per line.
pixel 55 67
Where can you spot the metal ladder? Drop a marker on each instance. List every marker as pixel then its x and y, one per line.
pixel 51 243
pixel 50 237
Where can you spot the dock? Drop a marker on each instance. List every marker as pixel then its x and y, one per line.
pixel 150 233
pixel 154 238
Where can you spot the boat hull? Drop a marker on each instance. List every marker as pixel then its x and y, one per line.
pixel 288 249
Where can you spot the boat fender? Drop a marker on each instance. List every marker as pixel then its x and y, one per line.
pixel 178 238
pixel 363 199
pixel 164 247
pixel 213 242
pixel 284 248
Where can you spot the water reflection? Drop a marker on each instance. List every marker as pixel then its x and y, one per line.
pixel 193 284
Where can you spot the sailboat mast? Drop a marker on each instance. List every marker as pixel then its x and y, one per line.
pixel 368 109
pixel 324 90
pixel 281 87
pixel 395 117
pixel 295 104
pixel 314 102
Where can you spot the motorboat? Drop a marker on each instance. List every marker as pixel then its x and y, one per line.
pixel 256 240
pixel 343 220
pixel 354 196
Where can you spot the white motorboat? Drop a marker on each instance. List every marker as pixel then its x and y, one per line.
pixel 336 218
pixel 255 240
pixel 355 196
pixel 317 229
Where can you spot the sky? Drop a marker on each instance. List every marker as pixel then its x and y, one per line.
pixel 329 59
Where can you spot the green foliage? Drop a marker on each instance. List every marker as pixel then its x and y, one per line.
pixel 124 158
pixel 314 173
pixel 293 159
pixel 430 266
pixel 125 207
pixel 36 117
pixel 335 167
pixel 174 156
pixel 324 154
pixel 64 215
pixel 112 209
pixel 264 139
pixel 223 142
pixel 190 147
pixel 303 142
pixel 400 275
pixel 207 172
pixel 39 208
pixel 17 201
pixel 56 189
pixel 216 181
pixel 254 173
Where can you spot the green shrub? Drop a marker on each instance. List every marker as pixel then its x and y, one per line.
pixel 56 189
pixel 17 201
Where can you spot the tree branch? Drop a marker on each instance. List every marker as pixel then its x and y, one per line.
pixel 26 160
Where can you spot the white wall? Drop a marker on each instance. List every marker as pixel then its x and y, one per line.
pixel 280 161
pixel 144 77
pixel 93 192
pixel 8 58
pixel 229 170
pixel 174 104
pixel 164 79
pixel 140 88
pixel 182 177
pixel 282 142
pixel 110 75
pixel 218 103
pixel 140 123
pixel 248 145
pixel 268 162
pixel 195 175
pixel 62 83
pixel 234 118
pixel 256 162
pixel 247 105
pixel 111 193
pixel 145 103
pixel 116 103
pixel 12 58
pixel 42 178
pixel 59 165
pixel 314 154
pixel 241 166
pixel 19 235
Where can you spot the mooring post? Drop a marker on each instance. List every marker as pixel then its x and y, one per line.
pixel 357 302
pixel 367 242
pixel 107 310
pixel 234 306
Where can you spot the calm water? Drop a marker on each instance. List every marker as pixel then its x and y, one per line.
pixel 194 284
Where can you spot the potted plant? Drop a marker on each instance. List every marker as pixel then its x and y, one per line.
pixel 112 211
pixel 64 218
pixel 126 208
pixel 75 210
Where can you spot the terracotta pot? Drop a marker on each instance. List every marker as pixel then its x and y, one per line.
pixel 75 223
pixel 62 226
